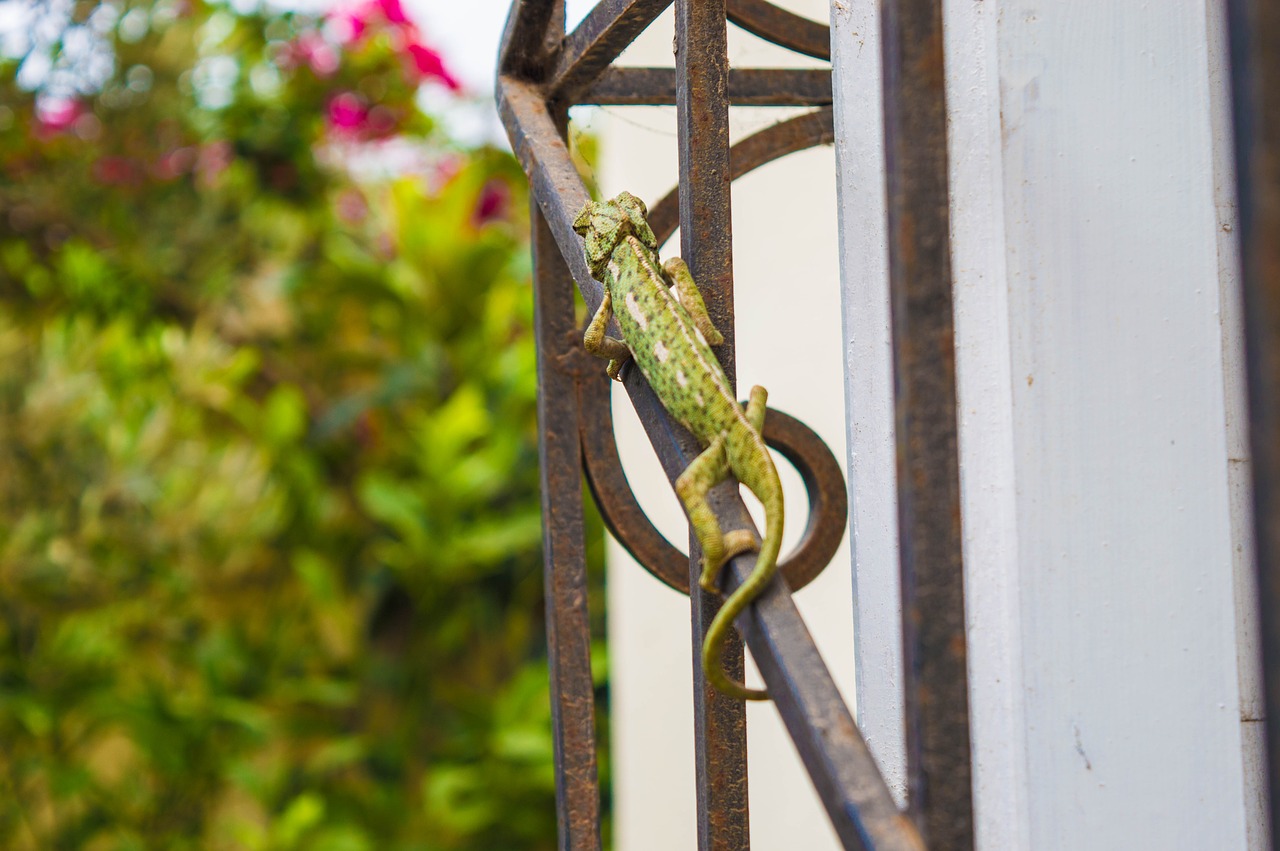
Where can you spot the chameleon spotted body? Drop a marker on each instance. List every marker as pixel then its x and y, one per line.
pixel 669 335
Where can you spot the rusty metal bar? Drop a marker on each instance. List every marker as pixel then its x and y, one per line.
pixel 568 625
pixel 830 746
pixel 597 41
pixel 557 187
pixel 747 87
pixel 843 772
pixel 1254 33
pixel 783 28
pixel 702 125
pixel 936 694
pixel 532 34
pixel 855 795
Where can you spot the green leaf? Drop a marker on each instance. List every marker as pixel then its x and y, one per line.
pixel 394 503
pixel 284 415
pixel 303 813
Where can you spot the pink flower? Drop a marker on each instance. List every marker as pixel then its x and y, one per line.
pixel 213 159
pixel 349 21
pixel 429 64
pixel 58 114
pixel 347 113
pixel 393 11
pixel 494 202
pixel 312 49
pixel 350 116
pixel 354 27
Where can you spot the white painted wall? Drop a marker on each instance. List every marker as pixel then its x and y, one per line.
pixel 1103 465
pixel 788 324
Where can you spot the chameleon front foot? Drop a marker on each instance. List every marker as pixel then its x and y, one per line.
pixel 736 542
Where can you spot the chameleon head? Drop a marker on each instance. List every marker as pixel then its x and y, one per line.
pixel 604 224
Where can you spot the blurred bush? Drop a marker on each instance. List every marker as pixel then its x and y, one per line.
pixel 270 567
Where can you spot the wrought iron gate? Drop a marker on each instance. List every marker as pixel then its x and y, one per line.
pixel 543 71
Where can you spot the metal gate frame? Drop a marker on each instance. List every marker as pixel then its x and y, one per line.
pixel 542 72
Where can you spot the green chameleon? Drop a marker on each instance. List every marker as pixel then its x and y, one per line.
pixel 668 336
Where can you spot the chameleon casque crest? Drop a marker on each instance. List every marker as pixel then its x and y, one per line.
pixel 667 332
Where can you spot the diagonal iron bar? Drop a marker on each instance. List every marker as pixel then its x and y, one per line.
pixel 602 35
pixel 531 36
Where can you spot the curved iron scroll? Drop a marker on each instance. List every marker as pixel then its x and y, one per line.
pixel 542 71
pixel 783 28
pixel 818 468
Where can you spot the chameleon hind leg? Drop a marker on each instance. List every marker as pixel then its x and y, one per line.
pixel 743 540
pixel 678 271
pixel 702 474
pixel 596 342
pixel 756 407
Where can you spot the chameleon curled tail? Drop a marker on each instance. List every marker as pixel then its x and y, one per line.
pixel 754 468
pixel 669 337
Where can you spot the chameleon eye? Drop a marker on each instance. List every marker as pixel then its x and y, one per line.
pixel 583 220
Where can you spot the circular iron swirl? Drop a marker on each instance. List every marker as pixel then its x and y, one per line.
pixel 622 514
pixel 781 27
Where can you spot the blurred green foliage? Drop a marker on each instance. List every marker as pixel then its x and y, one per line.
pixel 270 561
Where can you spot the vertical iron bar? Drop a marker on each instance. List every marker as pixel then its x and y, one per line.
pixel 1254 33
pixel 568 627
pixel 934 678
pixel 534 32
pixel 702 116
